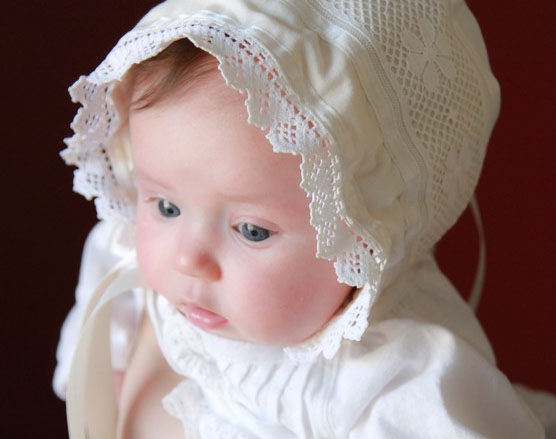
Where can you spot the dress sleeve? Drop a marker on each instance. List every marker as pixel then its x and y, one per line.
pixel 415 380
pixel 99 257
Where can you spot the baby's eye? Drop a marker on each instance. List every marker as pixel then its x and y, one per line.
pixel 251 232
pixel 168 209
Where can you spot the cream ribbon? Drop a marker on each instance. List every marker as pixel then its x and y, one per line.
pixel 477 289
pixel 91 402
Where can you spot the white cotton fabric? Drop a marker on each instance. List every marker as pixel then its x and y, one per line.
pixel 390 103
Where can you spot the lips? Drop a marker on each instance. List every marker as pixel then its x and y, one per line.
pixel 202 317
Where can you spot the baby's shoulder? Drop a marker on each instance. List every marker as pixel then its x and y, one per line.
pixel 417 372
pixel 403 342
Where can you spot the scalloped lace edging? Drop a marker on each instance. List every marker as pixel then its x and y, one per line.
pixel 349 324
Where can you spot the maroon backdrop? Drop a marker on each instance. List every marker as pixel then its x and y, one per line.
pixel 47 45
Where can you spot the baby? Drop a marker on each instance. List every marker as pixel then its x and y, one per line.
pixel 272 178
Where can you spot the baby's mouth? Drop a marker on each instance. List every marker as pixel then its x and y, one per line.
pixel 201 317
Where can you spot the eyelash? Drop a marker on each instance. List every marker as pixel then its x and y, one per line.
pixel 249 231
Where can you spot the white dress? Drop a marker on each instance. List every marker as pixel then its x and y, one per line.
pixel 423 369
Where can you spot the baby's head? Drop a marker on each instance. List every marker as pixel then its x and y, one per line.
pixel 222 224
pixel 386 107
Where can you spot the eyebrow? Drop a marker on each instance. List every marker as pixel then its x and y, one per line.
pixel 262 199
pixel 145 175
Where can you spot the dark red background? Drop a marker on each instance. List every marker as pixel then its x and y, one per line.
pixel 47 45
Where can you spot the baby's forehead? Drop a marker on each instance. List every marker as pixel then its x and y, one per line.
pixel 214 114
pixel 203 135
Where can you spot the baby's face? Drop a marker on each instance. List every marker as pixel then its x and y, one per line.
pixel 222 225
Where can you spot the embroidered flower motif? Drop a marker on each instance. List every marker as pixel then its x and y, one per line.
pixel 457 164
pixel 429 54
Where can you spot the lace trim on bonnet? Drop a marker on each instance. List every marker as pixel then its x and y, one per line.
pixel 271 104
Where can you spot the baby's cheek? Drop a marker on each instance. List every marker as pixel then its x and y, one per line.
pixel 147 253
pixel 277 307
pixel 314 296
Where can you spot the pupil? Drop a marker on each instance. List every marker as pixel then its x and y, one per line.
pixel 254 233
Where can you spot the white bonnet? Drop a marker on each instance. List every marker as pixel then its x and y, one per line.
pixel 390 103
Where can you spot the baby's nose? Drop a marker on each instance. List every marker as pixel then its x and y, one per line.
pixel 198 263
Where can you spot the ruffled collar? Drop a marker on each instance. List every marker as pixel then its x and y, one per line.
pixel 178 338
